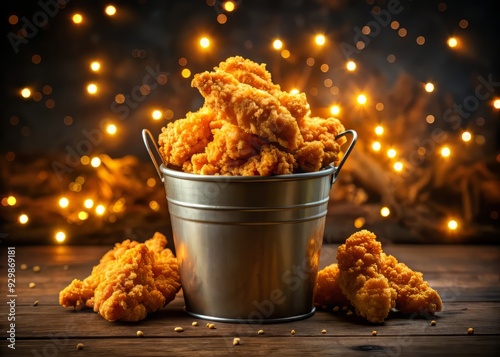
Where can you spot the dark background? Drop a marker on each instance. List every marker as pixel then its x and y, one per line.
pixel 148 36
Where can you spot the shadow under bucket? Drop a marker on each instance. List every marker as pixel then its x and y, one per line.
pixel 248 247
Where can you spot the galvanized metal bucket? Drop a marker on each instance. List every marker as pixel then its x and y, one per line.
pixel 248 247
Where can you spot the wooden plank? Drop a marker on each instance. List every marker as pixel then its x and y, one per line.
pixel 325 345
pixel 42 321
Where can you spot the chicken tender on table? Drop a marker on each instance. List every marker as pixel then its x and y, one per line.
pixel 374 282
pixel 130 281
pixel 360 279
pixel 248 126
pixel 414 295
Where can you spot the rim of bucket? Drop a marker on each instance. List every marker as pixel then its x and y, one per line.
pixel 177 173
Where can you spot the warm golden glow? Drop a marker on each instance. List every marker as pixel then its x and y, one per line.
pixel 82 215
pixel 25 92
pixel 95 66
pixel 445 151
pixel 186 73
pixel 151 182
pixel 11 200
pixel 452 224
pixel 204 42
pixel 92 88
pixel 376 146
pixel 362 99
pixel 85 160
pixel 429 87
pixel 23 218
pixel 359 222
pixel 277 44
pixel 60 236
pixel 320 39
pixel 64 202
pixel 452 42
pixel 229 6
pixel 335 109
pixel 154 206
pixel 110 10
pixel 379 130
pixel 430 118
pixel 77 18
pixel 466 136
pixel 111 129
pixel 294 91
pixel 88 203
pixel 496 103
pixel 156 114
pixel 392 153
pixel 351 66
pixel 385 211
pixel 285 54
pixel 99 210
pixel 95 162
pixel 398 166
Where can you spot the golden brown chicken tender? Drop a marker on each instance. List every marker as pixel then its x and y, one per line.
pixel 360 278
pixel 130 281
pixel 414 295
pixel 374 282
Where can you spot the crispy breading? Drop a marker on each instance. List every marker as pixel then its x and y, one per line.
pixel 328 291
pixel 363 276
pixel 359 260
pixel 130 281
pixel 414 295
pixel 249 126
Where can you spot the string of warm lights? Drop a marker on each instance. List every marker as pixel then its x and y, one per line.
pixel 85 209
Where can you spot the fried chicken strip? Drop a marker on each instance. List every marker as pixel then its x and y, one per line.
pixel 328 291
pixel 359 261
pixel 130 281
pixel 414 295
pixel 254 110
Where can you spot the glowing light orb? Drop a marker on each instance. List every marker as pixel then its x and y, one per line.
pixel 204 42
pixel 429 87
pixel 452 42
pixel 95 66
pixel 335 109
pixel 92 88
pixel 385 211
pixel 95 162
pixel 63 202
pixel 277 44
pixel 110 10
pixel 466 136
pixel 77 18
pixel 452 224
pixel 320 39
pixel 25 92
pixel 445 151
pixel 362 99
pixel 351 66
pixel 60 236
pixel 23 218
pixel 111 129
pixel 156 114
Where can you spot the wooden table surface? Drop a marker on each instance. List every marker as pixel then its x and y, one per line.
pixel 467 278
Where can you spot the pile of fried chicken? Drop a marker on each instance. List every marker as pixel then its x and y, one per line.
pixel 130 281
pixel 248 126
pixel 374 282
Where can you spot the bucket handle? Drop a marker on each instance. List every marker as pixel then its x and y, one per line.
pixel 347 152
pixel 145 134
